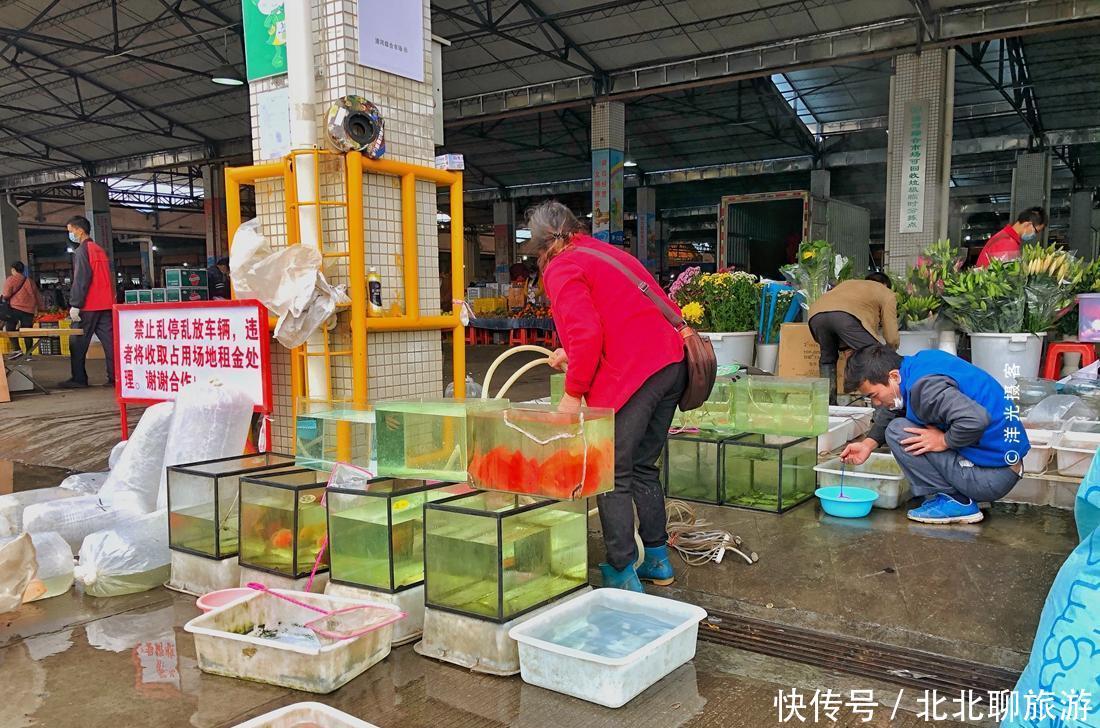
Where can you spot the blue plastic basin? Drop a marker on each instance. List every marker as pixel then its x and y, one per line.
pixel 856 502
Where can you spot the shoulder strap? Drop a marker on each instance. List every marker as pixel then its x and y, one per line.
pixel 667 311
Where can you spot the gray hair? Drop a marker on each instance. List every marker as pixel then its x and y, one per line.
pixel 552 226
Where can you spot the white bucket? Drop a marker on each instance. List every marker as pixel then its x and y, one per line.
pixel 766 354
pixel 948 341
pixel 910 342
pixel 732 348
pixel 1007 356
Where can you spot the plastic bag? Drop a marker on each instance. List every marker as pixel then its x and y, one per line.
pixel 294 329
pixel 74 518
pixel 84 483
pixel 54 575
pixel 282 280
pixel 116 453
pixel 473 389
pixel 1053 411
pixel 133 482
pixel 13 505
pixel 210 421
pixel 1065 656
pixel 17 567
pixel 126 559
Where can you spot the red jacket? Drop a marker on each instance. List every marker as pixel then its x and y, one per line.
pixel 93 289
pixel 1004 245
pixel 614 336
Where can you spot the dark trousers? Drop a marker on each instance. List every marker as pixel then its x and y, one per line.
pixel 834 330
pixel 100 324
pixel 641 430
pixel 21 320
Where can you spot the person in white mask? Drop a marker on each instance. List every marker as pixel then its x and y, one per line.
pixel 1007 243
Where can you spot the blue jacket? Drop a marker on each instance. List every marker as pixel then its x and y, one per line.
pixel 993 449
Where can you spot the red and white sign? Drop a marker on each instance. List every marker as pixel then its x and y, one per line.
pixel 162 347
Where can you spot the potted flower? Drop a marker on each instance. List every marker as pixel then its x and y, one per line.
pixel 723 307
pixel 920 296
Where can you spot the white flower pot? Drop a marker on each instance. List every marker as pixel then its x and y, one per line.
pixel 766 354
pixel 910 342
pixel 948 342
pixel 732 348
pixel 1007 356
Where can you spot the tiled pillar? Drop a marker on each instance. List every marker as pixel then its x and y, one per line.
pixel 97 208
pixel 918 164
pixel 504 235
pixel 1080 224
pixel 608 141
pixel 213 205
pixel 400 364
pixel 9 234
pixel 647 244
pixel 1031 184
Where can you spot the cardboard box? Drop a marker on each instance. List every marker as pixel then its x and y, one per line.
pixel 145 296
pixel 159 295
pixel 185 277
pixel 172 295
pixel 131 296
pixel 194 293
pixel 799 355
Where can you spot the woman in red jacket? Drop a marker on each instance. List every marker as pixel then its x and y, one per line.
pixel 622 354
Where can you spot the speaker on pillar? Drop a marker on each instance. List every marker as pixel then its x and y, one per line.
pixel 354 124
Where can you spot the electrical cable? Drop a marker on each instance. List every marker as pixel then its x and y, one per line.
pixel 697 541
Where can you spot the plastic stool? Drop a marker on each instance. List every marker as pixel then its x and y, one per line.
pixel 517 337
pixel 1052 364
pixel 471 336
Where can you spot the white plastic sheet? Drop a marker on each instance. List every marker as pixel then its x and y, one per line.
pixel 126 559
pixel 210 421
pixel 133 482
pixel 84 483
pixel 74 518
pixel 12 506
pixel 116 453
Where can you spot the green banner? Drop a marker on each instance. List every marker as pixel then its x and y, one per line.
pixel 264 38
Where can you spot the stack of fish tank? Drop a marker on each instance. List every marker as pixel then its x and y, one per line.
pixel 203 513
pixel 768 472
pixel 283 526
pixel 327 433
pixel 714 416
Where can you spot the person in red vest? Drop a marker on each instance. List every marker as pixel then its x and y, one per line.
pixel 90 302
pixel 1006 244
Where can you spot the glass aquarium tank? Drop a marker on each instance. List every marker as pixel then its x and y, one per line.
pixel 496 556
pixel 557 387
pixel 715 415
pixel 203 501
pixel 282 523
pixel 781 406
pixel 326 433
pixel 692 467
pixel 426 439
pixel 537 450
pixel 376 530
pixel 768 472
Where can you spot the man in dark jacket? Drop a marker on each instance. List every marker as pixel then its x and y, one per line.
pixel 90 302
pixel 217 276
pixel 948 424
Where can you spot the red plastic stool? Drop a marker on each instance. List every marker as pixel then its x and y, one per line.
pixel 471 336
pixel 517 337
pixel 1052 364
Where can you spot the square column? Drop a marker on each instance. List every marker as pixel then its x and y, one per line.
pixel 97 208
pixel 10 249
pixel 1031 185
pixel 213 206
pixel 647 244
pixel 608 142
pixel 918 159
pixel 504 236
pixel 1081 217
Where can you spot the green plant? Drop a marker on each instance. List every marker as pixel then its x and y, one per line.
pixel 987 300
pixel 729 301
pixel 1052 277
pixel 817 269
pixel 920 290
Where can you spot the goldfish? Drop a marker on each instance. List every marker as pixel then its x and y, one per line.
pixel 282 538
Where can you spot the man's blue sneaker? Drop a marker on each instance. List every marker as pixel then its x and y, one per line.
pixel 656 567
pixel 626 579
pixel 943 509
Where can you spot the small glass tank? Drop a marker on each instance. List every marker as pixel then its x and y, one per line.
pixel 326 433
pixel 203 501
pixel 557 387
pixel 779 406
pixel 715 415
pixel 692 467
pixel 282 523
pixel 768 472
pixel 497 556
pixel 537 450
pixel 376 529
pixel 426 439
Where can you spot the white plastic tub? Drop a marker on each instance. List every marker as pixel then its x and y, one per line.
pixel 1007 356
pixel 1042 448
pixel 881 473
pixel 223 647
pixel 732 348
pixel 306 714
pixel 607 679
pixel 1074 451
pixel 845 424
pixel 910 342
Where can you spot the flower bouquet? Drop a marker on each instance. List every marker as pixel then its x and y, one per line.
pixel 818 269
pixel 1052 278
pixel 920 291
pixel 987 300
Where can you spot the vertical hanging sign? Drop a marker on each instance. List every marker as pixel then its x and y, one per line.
pixel 264 38
pixel 601 194
pixel 615 181
pixel 391 37
pixel 913 167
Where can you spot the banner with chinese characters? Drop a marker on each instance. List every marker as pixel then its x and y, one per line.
pixel 915 140
pixel 391 37
pixel 264 38
pixel 607 195
pixel 161 348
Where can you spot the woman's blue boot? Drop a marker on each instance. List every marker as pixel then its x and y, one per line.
pixel 656 567
pixel 625 579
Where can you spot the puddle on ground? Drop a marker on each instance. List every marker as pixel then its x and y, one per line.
pixel 16 477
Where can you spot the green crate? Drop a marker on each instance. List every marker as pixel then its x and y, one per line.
pixel 131 296
pixel 145 296
pixel 172 295
pixel 159 295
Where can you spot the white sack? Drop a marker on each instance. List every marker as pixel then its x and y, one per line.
pixel 116 453
pixel 126 559
pixel 74 518
pixel 293 331
pixel 12 506
pixel 54 558
pixel 283 281
pixel 84 483
pixel 17 567
pixel 133 482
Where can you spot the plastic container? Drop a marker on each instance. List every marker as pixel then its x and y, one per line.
pixel 856 503
pixel 327 433
pixel 1034 390
pixel 1042 449
pixel 1076 447
pixel 203 499
pixel 607 646
pixel 692 467
pixel 218 599
pixel 910 342
pixel 496 556
pixel 306 714
pixel 856 420
pixel 426 439
pixel 1007 356
pixel 766 355
pixel 732 348
pixel 881 474
pixel 282 522
pixel 1088 318
pixel 223 645
pixel 537 450
pixel 781 406
pixel 770 473
pixel 376 531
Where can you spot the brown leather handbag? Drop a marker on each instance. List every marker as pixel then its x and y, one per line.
pixel 702 364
